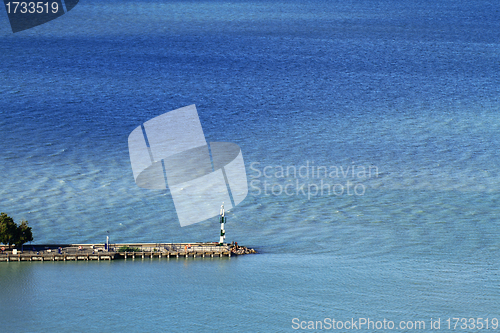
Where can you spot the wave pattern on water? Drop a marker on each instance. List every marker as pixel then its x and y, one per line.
pixel 410 87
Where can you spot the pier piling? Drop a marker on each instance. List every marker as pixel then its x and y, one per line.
pixel 90 252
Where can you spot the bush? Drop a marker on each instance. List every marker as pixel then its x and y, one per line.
pixel 129 249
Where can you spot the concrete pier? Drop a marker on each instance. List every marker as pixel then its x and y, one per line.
pixel 89 252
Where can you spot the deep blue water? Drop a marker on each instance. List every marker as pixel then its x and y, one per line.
pixel 409 88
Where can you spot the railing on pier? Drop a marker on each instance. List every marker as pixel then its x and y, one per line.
pixel 99 252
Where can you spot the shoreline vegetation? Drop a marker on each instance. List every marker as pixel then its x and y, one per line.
pixel 13 234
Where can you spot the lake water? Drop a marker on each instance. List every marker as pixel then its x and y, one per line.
pixel 407 91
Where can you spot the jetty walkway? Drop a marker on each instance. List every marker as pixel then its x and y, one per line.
pixel 76 252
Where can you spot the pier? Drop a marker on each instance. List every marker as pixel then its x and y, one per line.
pixel 98 252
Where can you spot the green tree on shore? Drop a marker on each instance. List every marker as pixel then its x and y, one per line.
pixel 11 233
pixel 24 234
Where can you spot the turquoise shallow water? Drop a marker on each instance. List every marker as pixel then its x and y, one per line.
pixel 252 293
pixel 407 88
